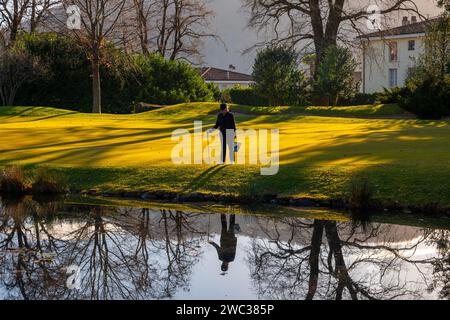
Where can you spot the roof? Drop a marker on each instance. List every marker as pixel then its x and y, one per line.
pixel 215 74
pixel 412 28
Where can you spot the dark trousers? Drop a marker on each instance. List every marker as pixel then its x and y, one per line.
pixel 227 142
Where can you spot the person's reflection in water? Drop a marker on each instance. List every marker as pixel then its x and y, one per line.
pixel 228 242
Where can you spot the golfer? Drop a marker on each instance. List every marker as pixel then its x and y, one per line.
pixel 224 122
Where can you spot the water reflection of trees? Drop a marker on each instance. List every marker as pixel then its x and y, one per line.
pixel 441 265
pixel 330 260
pixel 25 244
pixel 123 254
pixel 142 254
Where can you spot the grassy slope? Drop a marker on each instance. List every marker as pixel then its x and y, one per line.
pixel 407 160
pixel 364 111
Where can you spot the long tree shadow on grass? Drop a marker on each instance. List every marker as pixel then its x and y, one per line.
pixel 75 150
pixel 47 117
pixel 203 178
pixel 383 155
pixel 310 170
pixel 68 131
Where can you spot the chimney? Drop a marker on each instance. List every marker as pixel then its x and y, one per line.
pixel 405 21
pixel 413 19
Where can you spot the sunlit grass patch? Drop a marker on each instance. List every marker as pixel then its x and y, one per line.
pixel 406 160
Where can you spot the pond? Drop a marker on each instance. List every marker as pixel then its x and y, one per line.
pixel 61 250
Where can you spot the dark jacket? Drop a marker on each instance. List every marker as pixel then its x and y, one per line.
pixel 228 241
pixel 227 249
pixel 225 122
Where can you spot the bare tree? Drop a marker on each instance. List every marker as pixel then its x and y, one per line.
pixel 100 23
pixel 181 27
pixel 16 14
pixel 319 23
pixel 173 28
pixel 38 12
pixel 444 4
pixel 144 10
pixel 302 259
pixel 12 15
pixel 2 40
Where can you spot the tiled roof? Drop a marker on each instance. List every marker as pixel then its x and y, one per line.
pixel 215 74
pixel 413 28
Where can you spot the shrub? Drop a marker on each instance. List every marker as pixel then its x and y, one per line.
pixel 245 96
pixel 358 100
pixel 12 180
pixel 215 92
pixel 17 68
pixel 429 82
pixel 360 196
pixel 393 95
pixel 47 182
pixel 429 99
pixel 68 83
pixel 277 77
pixel 225 96
pixel 335 75
pixel 125 80
pixel 165 82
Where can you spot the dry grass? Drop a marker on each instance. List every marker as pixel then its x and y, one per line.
pixel 12 180
pixel 46 182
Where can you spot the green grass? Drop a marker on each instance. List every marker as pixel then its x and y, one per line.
pixel 406 160
pixel 366 111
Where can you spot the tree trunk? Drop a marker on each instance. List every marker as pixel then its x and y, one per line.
pixel 340 269
pixel 96 87
pixel 33 17
pixel 144 42
pixel 316 242
pixel 12 35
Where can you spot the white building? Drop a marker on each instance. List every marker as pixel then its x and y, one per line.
pixel 389 54
pixel 225 79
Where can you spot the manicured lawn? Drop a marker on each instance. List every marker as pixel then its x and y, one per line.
pixel 406 160
pixel 364 111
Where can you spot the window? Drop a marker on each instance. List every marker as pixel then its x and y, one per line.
pixel 392 78
pixel 411 45
pixel 393 52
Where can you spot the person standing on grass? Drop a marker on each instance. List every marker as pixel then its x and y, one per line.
pixel 227 126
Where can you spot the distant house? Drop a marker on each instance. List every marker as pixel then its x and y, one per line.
pixel 388 55
pixel 225 78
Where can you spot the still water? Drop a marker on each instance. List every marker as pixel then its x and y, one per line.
pixel 52 250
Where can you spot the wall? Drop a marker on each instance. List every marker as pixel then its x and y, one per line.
pixel 230 84
pixel 377 62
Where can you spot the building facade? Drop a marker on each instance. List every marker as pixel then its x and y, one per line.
pixel 225 79
pixel 388 55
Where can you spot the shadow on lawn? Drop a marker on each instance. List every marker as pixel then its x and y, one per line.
pixel 24 113
pixel 311 169
pixel 385 156
pixel 86 154
pixel 204 178
pixel 47 117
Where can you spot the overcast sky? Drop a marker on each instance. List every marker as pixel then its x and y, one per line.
pixel 230 24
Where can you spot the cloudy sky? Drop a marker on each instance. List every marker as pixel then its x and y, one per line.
pixel 230 24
